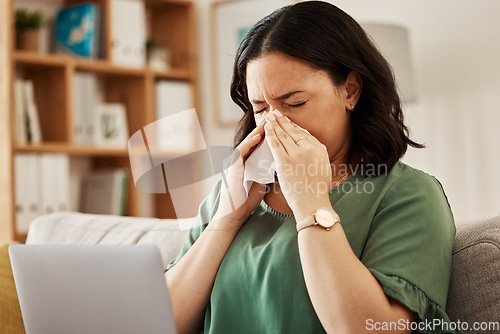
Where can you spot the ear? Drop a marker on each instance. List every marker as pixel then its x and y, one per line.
pixel 353 86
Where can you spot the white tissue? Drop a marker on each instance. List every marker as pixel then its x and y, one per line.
pixel 260 166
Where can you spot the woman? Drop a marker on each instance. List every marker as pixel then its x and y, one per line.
pixel 278 260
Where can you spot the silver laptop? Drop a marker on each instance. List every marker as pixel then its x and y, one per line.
pixel 91 289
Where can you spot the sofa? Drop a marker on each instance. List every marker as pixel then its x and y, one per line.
pixel 474 294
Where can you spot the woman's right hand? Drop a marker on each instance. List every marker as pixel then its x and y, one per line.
pixel 235 205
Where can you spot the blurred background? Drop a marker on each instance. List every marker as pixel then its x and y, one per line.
pixel 139 61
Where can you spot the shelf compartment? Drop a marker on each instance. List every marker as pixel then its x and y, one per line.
pixel 51 82
pixel 131 92
pixel 176 17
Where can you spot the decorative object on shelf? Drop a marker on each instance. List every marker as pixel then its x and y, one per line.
pixel 78 31
pixel 231 20
pixel 111 125
pixel 159 56
pixel 28 24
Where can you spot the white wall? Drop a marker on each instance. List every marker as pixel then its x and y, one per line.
pixel 456 51
pixel 213 134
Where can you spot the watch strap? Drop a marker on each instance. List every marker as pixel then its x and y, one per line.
pixel 306 222
pixel 311 221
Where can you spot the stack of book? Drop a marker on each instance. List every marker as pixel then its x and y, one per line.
pixel 26 117
pixel 85 98
pixel 43 182
pixel 41 186
pixel 105 192
pixel 96 123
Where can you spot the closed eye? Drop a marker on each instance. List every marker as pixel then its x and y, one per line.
pixel 298 105
pixel 259 111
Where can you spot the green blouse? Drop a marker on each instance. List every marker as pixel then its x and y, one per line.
pixel 399 225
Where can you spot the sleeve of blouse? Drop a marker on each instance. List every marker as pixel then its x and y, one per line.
pixel 205 213
pixel 409 248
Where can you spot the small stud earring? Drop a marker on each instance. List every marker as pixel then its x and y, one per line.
pixel 352 107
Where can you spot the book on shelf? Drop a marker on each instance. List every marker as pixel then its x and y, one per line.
pixel 87 96
pixel 78 30
pixel 20 117
pixel 26 118
pixel 105 192
pixel 27 190
pixel 128 32
pixel 178 131
pixel 55 174
pixel 41 186
pixel 80 109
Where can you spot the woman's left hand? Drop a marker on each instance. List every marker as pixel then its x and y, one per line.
pixel 302 164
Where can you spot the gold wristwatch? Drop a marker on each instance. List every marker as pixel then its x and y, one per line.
pixel 324 217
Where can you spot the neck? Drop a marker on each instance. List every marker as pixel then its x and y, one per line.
pixel 341 165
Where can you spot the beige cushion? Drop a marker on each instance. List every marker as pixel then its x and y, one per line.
pixel 80 228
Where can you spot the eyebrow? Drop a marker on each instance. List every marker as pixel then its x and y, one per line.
pixel 282 97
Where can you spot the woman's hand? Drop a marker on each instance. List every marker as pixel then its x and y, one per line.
pixel 302 164
pixel 235 205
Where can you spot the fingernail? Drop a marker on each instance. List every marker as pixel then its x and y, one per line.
pixel 277 113
pixel 262 120
pixel 256 136
pixel 268 126
pixel 271 117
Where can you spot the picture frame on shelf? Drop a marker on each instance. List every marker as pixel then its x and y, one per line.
pixel 111 126
pixel 231 20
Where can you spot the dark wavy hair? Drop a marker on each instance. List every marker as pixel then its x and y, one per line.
pixel 329 39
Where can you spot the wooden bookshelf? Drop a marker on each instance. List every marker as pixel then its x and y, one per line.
pixel 72 150
pixel 169 21
pixel 97 66
pixel 7 227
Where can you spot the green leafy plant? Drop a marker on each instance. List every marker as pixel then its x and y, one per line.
pixel 28 20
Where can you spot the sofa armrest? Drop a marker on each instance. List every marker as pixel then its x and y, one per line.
pixel 474 293
pixel 91 229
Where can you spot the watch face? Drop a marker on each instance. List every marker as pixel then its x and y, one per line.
pixel 324 218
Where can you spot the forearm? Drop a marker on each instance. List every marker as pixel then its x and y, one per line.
pixel 190 281
pixel 342 290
